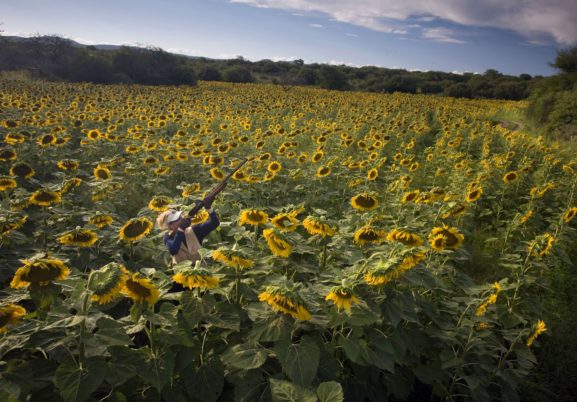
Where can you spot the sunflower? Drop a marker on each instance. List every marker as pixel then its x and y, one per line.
pixel 7 183
pixel 405 238
pixel 538 329
pixel 131 149
pixel 570 168
pixel 14 138
pixel 317 156
pixel 190 189
pixel 323 171
pixel 510 177
pixel 364 202
pixel 150 160
pixel 265 156
pixel 369 235
pixel 276 243
pixel 376 278
pixel 285 221
pixel 140 289
pixel 445 238
pixel 79 238
pixel 68 164
pixel 455 210
pixel 268 176
pixel 45 197
pixel 46 140
pixel 274 167
pixel 8 226
pixel 100 220
pixel 22 170
pixel 474 194
pixel 239 175
pixel 135 229
pixel 315 226
pixel 93 134
pixel 410 196
pixel 372 174
pixel 394 270
pixel 542 245
pixel 39 272
pixel 342 297
pixel 10 314
pixel 200 217
pixel 70 184
pixel 412 260
pixel 160 203
pixel 482 309
pixel 161 170
pixel 232 258
pixel 569 214
pixel 7 154
pixel 195 277
pixel 108 282
pixel 102 173
pixel 253 217
pixel 525 217
pixel 285 302
pixel 217 174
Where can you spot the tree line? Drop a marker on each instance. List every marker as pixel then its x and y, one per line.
pixel 553 100
pixel 57 58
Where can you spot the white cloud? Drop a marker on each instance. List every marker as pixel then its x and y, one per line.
pixel 441 35
pixel 283 58
pixel 531 18
pixel 315 26
pixel 183 51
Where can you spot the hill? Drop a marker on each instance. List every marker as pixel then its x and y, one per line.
pixel 60 59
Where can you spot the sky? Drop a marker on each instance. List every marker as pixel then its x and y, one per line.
pixel 510 36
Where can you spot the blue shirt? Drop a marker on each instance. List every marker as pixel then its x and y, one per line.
pixel 201 230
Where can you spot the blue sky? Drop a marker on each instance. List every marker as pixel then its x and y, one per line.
pixel 511 36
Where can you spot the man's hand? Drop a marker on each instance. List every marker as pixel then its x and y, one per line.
pixel 184 223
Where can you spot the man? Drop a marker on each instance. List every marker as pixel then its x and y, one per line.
pixel 182 240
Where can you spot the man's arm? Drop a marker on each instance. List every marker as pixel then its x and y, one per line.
pixel 173 244
pixel 203 229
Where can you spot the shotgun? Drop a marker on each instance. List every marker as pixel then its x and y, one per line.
pixel 214 191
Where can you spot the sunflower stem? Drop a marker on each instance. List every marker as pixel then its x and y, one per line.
pixel 324 256
pixel 237 287
pixel 84 312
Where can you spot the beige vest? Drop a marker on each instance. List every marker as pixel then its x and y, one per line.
pixel 190 250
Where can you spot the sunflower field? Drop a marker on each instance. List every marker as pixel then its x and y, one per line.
pixel 374 247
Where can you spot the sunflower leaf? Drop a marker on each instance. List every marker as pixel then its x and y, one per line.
pixel 245 356
pixel 299 361
pixel 206 382
pixel 285 391
pixel 76 384
pixel 330 391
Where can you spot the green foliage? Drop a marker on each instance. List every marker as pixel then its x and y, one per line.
pixel 566 60
pixel 552 101
pixel 419 334
pixel 237 74
pixel 57 58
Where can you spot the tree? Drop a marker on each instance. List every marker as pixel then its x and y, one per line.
pixel 306 76
pixel 210 74
pixel 566 60
pixel 331 77
pixel 458 90
pixel 238 74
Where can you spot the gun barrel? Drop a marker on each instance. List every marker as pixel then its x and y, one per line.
pixel 216 189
